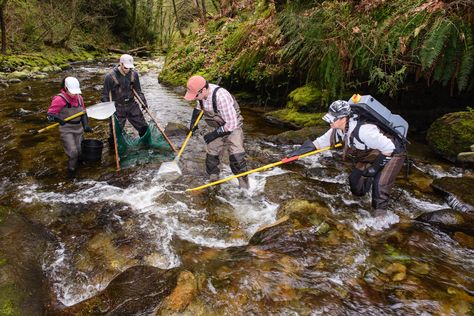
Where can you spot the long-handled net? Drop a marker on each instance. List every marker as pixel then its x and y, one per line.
pixel 132 151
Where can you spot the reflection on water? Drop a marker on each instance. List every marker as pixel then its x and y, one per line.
pixel 335 259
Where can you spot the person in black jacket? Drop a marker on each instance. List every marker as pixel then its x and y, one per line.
pixel 118 86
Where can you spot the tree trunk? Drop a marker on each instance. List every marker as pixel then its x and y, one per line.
pixel 198 7
pixel 203 7
pixel 134 20
pixel 3 26
pixel 178 21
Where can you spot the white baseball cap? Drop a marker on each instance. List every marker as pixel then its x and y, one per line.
pixel 127 61
pixel 72 85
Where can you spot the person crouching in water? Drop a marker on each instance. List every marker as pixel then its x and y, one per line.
pixel 222 113
pixel 63 105
pixel 378 158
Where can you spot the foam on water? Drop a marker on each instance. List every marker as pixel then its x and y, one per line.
pixel 161 222
pixel 377 222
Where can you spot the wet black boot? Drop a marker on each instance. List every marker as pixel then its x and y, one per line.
pixel 71 173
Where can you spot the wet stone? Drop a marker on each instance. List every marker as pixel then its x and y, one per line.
pixel 183 294
pixel 450 220
pixel 456 191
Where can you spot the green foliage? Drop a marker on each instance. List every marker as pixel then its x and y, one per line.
pixel 338 44
pixel 387 82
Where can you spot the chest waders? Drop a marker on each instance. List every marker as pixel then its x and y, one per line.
pixel 71 133
pixel 234 143
pixel 127 107
pixel 382 183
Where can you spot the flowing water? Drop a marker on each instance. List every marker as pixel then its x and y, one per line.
pixel 104 222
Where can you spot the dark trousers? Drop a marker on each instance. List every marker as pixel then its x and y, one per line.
pixel 381 183
pixel 71 137
pixel 131 112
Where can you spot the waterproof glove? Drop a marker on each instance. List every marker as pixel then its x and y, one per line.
pixel 303 149
pixel 376 166
pixel 193 120
pixel 54 118
pixel 85 123
pixel 218 132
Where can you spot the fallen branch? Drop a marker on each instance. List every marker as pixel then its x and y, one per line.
pixel 130 51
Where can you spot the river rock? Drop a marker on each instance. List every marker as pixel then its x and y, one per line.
pixel 307 213
pixel 22 284
pixel 281 187
pixel 298 136
pixel 457 192
pixel 464 240
pixel 176 129
pixel 451 134
pixel 183 294
pixel 450 220
pixel 137 291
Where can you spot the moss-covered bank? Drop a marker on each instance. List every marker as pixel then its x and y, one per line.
pixel 34 65
pixel 381 47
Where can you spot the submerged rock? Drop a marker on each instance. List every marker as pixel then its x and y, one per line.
pixel 22 283
pixel 138 290
pixel 450 220
pixel 298 136
pixel 183 294
pixel 457 192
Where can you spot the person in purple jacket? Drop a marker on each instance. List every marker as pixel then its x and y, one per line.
pixel 63 105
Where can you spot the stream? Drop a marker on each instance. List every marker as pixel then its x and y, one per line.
pixel 329 257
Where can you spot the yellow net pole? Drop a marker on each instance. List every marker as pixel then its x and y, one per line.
pixel 283 161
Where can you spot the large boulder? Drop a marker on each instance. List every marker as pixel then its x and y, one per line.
pixel 138 290
pixel 22 282
pixel 451 134
pixel 307 98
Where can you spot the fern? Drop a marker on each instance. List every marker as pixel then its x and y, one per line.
pixel 467 59
pixel 435 42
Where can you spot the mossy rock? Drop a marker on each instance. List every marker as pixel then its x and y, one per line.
pixel 307 99
pixel 290 117
pixel 451 134
pixel 298 136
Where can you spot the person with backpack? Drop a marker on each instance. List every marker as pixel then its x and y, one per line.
pixel 377 156
pixel 119 86
pixel 63 105
pixel 222 114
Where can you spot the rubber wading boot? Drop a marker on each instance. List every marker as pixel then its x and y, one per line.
pixel 71 173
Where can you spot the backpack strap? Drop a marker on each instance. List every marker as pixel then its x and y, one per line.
pixel 214 102
pixel 214 97
pixel 68 105
pixel 355 134
pixel 114 78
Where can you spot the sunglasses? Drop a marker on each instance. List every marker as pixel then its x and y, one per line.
pixel 199 92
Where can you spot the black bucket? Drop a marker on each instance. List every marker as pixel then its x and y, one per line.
pixel 91 150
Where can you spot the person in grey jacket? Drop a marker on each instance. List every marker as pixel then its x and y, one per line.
pixel 118 86
pixel 377 157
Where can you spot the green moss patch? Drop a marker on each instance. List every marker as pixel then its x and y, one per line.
pixel 451 134
pixel 308 98
pixel 298 118
pixel 10 299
